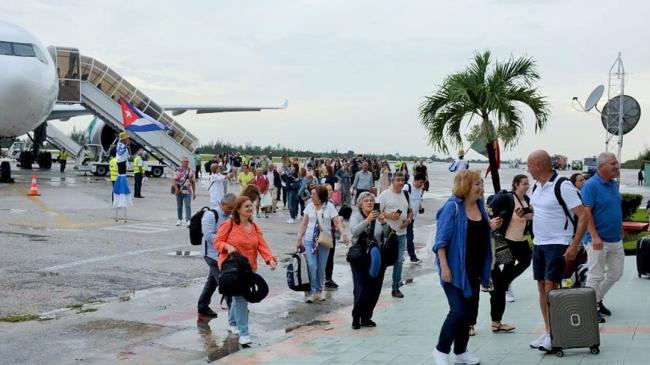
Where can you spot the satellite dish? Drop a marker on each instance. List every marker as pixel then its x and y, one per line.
pixel 593 98
pixel 610 114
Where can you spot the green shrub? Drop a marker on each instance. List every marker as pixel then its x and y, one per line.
pixel 629 204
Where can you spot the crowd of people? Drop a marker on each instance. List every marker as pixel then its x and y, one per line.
pixel 471 233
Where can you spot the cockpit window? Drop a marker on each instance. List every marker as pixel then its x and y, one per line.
pixel 6 49
pixel 24 50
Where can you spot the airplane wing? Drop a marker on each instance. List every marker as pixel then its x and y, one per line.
pixel 204 109
pixel 64 112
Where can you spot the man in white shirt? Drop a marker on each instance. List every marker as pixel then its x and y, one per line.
pixel 555 241
pixel 216 186
pixel 398 214
pixel 415 190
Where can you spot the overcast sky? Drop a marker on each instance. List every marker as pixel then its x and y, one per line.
pixel 354 72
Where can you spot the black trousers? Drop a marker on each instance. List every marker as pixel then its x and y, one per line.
pixel 113 185
pixel 503 276
pixel 210 284
pixel 197 170
pixel 284 196
pixel 329 267
pixel 137 185
pixel 278 190
pixel 62 162
pixel 366 291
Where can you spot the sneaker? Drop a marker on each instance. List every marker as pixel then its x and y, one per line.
pixel 234 330
pixel 510 296
pixel 416 261
pixel 245 340
pixel 603 310
pixel 440 357
pixel 536 343
pixel 330 284
pixel 207 312
pixel 309 298
pixel 601 318
pixel 178 222
pixel 187 224
pixel 546 345
pixel 320 297
pixel 397 294
pixel 467 358
pixel 291 221
pixel 355 324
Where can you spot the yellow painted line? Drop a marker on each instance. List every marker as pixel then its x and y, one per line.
pixel 61 220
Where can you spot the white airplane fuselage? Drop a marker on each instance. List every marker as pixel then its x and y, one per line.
pixel 28 81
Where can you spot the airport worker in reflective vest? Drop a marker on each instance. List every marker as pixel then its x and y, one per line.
pixel 138 170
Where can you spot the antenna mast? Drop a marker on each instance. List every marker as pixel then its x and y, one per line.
pixel 616 86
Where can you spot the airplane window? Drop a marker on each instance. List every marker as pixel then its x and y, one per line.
pixel 5 48
pixel 24 50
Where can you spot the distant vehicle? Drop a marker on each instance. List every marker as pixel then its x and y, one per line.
pixel 93 158
pixel 589 167
pixel 428 160
pixel 576 165
pixel 560 162
pixel 15 149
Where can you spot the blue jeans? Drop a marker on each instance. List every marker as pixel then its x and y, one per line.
pixel 238 314
pixel 410 246
pixel 293 203
pixel 316 262
pixel 455 329
pixel 187 200
pixel 397 268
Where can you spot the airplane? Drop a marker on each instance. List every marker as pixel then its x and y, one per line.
pixel 29 87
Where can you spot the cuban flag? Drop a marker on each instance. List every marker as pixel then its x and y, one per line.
pixel 137 121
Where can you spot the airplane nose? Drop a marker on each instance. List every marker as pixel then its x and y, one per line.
pixel 26 94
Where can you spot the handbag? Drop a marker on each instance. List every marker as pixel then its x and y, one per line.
pixel 389 248
pixel 324 239
pixel 359 253
pixel 502 250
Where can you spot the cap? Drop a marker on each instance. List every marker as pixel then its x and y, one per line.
pixel 123 135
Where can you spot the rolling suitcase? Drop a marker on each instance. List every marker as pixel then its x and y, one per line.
pixel 574 319
pixel 643 256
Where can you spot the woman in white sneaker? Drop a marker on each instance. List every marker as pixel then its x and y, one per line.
pixel 464 259
pixel 318 218
pixel 240 234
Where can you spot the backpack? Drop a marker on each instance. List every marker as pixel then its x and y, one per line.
pixel 196 232
pixel 558 195
pixel 297 272
pixel 345 212
pixel 235 275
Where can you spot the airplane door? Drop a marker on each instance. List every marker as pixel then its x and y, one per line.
pixel 67 69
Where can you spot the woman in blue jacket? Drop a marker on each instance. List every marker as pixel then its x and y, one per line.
pixel 464 259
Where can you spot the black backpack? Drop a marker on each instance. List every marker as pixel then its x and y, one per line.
pixel 558 195
pixel 196 233
pixel 235 275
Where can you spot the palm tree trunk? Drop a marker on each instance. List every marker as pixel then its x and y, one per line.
pixel 494 169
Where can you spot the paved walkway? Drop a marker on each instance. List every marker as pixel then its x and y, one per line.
pixel 407 329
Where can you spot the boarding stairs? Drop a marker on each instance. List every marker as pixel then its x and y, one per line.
pixel 61 141
pixel 98 88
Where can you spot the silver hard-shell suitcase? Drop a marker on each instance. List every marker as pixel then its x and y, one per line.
pixel 574 319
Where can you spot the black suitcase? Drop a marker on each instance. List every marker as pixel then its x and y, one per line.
pixel 574 319
pixel 643 256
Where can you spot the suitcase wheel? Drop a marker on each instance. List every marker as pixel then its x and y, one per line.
pixel 595 350
pixel 559 353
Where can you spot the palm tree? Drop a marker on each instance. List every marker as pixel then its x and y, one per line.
pixel 490 93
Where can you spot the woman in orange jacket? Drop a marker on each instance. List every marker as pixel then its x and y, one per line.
pixel 240 234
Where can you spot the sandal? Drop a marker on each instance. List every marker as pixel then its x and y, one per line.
pixel 502 327
pixel 472 331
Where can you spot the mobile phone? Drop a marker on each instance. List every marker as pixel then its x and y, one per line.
pixel 503 215
pixel 376 207
pixel 398 211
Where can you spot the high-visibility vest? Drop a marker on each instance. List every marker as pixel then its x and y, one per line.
pixel 137 169
pixel 112 167
pixel 63 155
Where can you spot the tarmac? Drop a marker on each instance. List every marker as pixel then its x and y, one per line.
pixel 112 292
